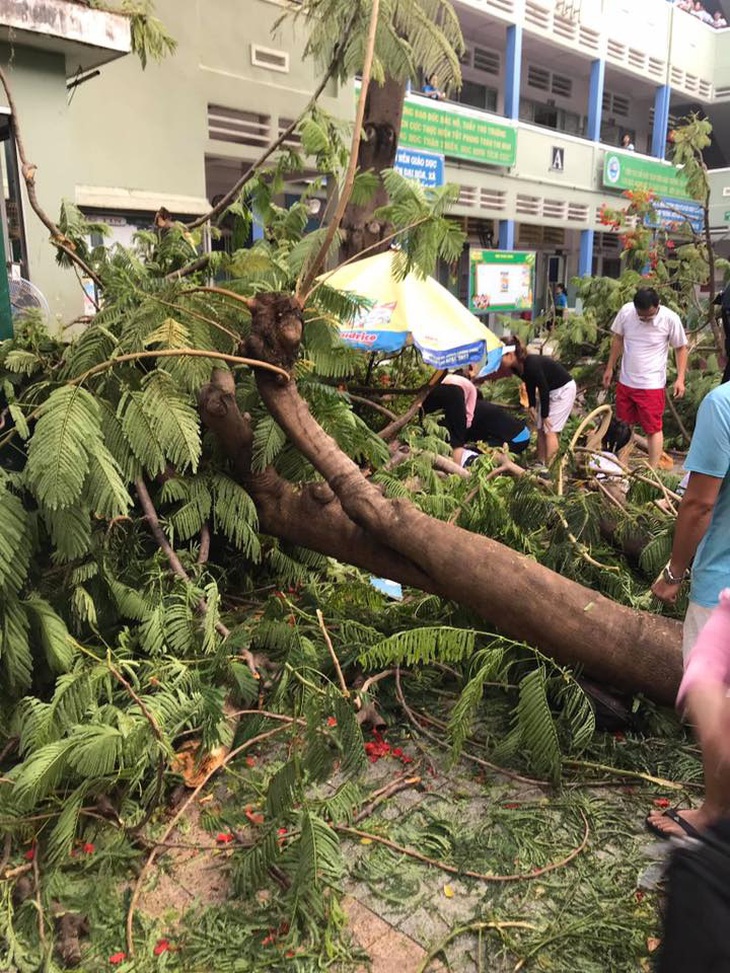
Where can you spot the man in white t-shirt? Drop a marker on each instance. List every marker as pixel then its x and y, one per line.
pixel 643 332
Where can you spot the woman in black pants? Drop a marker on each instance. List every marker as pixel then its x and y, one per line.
pixel 488 423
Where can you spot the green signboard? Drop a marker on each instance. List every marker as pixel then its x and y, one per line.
pixel 501 280
pixel 461 135
pixel 624 170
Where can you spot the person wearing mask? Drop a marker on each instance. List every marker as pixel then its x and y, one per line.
pixel 551 392
pixel 643 332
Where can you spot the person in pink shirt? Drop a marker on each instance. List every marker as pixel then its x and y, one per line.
pixel 703 696
pixel 456 396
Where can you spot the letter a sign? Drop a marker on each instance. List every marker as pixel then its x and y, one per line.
pixel 557 158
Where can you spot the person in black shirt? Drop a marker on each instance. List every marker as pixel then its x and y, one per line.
pixel 481 422
pixel 550 392
pixel 496 426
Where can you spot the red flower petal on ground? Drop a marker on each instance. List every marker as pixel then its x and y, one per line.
pixel 253 816
pixel 88 848
pixel 639 895
pixel 662 802
pixel 250 762
pixel 397 752
pixel 223 838
pixel 510 807
pixel 162 947
pixel 29 855
pixel 331 721
pixel 116 958
pixel 269 939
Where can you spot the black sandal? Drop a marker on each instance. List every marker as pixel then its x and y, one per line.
pixel 673 815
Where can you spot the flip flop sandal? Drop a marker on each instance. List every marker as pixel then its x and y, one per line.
pixel 673 815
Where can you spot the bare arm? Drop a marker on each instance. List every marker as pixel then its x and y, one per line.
pixel 693 519
pixel 680 356
pixel 617 348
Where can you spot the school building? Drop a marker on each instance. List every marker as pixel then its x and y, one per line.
pixel 533 139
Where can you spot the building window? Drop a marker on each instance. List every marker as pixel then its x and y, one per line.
pixel 477 95
pixel 550 116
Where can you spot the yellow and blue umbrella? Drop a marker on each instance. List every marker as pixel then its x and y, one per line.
pixel 412 310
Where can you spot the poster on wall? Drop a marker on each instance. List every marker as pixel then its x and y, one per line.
pixel 501 280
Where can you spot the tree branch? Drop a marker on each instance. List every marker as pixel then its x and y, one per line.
pixel 28 170
pixel 579 633
pixel 392 430
pixel 454 870
pixel 167 549
pixel 375 406
pixel 177 353
pixel 200 263
pixel 333 655
pixel 305 283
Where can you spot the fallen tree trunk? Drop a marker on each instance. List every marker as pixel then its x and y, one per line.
pixel 349 519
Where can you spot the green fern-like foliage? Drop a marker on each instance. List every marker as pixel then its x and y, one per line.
pixel 410 36
pixel 123 635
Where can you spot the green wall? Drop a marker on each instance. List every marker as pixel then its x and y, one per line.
pixel 38 82
pixel 150 127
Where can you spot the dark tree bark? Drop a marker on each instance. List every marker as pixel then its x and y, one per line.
pixel 381 127
pixel 348 518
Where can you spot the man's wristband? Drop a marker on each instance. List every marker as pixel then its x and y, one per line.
pixel 669 577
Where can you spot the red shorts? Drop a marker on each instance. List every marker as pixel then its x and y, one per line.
pixel 640 407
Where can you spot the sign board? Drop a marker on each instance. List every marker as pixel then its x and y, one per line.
pixel 557 158
pixel 626 170
pixel 675 214
pixel 457 133
pixel 501 280
pixel 425 167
